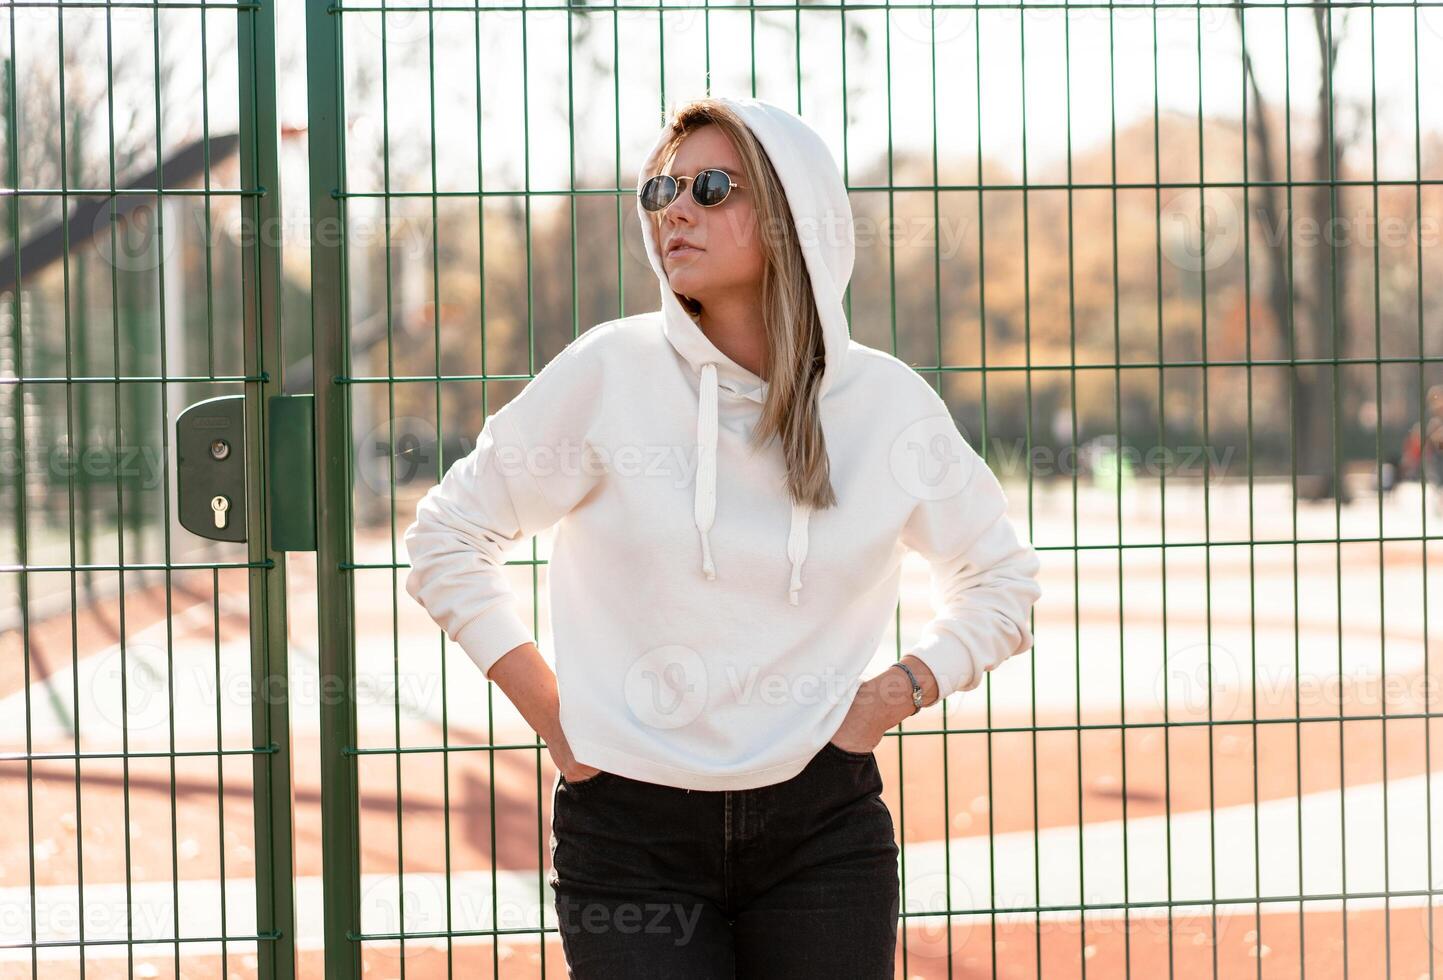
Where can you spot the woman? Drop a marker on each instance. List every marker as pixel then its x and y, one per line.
pixel 734 483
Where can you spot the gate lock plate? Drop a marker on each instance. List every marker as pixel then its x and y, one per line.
pixel 211 460
pixel 210 468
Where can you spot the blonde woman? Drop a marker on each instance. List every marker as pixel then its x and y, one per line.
pixel 734 483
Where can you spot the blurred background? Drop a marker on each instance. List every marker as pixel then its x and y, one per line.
pixel 1175 268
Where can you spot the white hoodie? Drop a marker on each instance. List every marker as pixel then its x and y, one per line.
pixel 708 633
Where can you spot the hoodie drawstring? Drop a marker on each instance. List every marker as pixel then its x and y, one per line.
pixel 797 547
pixel 705 510
pixel 706 464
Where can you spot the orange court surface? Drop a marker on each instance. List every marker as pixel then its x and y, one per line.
pixel 1146 760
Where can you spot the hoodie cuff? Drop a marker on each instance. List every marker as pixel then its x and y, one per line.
pixel 493 634
pixel 948 660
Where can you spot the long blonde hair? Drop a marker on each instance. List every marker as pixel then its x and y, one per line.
pixel 796 352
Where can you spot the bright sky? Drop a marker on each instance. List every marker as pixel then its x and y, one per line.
pixel 1094 97
pixel 616 97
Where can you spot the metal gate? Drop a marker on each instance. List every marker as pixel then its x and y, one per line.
pixel 147 755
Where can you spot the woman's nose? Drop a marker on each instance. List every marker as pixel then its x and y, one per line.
pixel 683 209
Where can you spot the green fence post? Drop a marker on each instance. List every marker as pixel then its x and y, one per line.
pixel 340 818
pixel 264 356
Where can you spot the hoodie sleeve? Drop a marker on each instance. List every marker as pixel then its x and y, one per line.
pixel 532 464
pixel 984 575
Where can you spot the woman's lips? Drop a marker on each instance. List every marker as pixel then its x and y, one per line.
pixel 684 250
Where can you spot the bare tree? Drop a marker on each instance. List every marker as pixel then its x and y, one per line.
pixel 1311 321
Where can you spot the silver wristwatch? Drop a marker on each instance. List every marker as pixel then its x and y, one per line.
pixel 916 688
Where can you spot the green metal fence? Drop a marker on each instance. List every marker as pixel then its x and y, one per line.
pixel 1173 265
pixel 151 813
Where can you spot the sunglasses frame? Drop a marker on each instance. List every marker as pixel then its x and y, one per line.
pixel 679 181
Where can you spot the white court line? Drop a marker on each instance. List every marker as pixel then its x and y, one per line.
pixel 523 899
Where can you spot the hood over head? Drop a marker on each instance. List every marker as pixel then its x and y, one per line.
pixel 822 215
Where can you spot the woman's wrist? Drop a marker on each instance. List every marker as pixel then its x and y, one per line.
pixel 528 681
pixel 889 698
pixel 925 678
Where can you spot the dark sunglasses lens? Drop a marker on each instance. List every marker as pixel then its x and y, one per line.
pixel 711 187
pixel 658 192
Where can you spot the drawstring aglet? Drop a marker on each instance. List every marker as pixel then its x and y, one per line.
pixel 707 567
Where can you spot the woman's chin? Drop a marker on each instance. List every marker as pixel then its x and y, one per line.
pixel 687 283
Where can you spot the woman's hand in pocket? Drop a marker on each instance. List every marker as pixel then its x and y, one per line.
pixel 881 703
pixel 579 772
pixel 862 729
pixel 561 757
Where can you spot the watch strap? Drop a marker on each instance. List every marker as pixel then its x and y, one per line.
pixel 916 688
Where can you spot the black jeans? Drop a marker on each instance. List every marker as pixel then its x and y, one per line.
pixel 797 879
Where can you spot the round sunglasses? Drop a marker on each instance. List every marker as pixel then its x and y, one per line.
pixel 708 188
